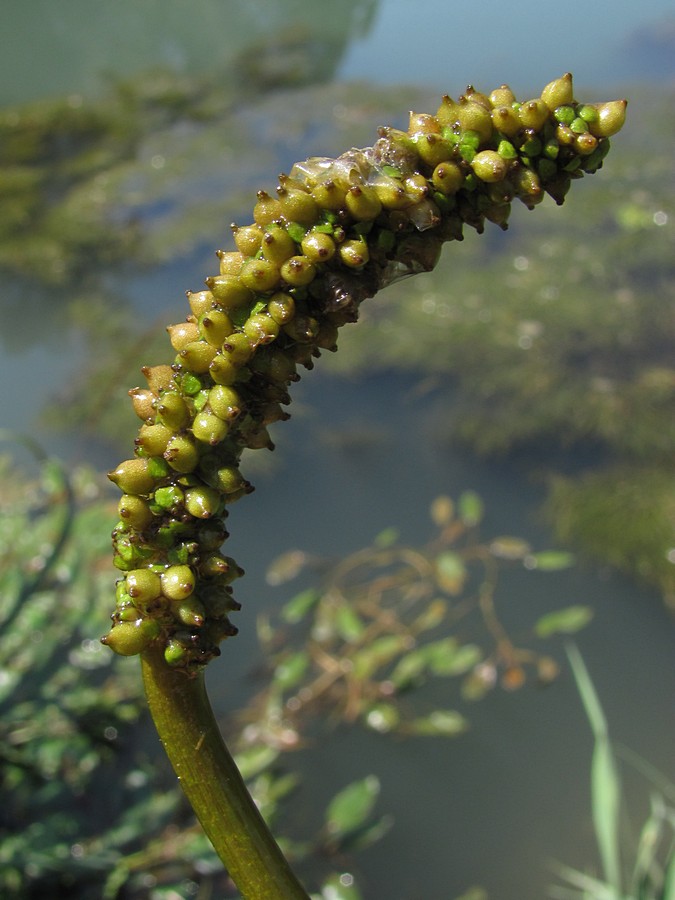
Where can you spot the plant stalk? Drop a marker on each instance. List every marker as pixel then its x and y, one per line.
pixel 209 777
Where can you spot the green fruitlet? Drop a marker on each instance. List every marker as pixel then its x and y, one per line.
pixel 335 232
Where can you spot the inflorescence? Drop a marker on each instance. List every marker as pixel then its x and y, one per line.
pixel 336 232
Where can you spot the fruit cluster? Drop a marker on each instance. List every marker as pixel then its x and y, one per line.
pixel 336 232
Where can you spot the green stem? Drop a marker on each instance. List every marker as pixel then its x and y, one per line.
pixel 212 783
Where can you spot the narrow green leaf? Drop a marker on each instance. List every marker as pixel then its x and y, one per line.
pixel 349 809
pixel 348 623
pixel 470 508
pixel 297 608
pixel 382 651
pixel 563 621
pixel 439 723
pixel 290 671
pixel 451 573
pixel 386 538
pixel 448 657
pixel 549 560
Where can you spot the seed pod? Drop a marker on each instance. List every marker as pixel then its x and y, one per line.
pixel 266 210
pixel 298 206
pixel 200 302
pixel 363 204
pixel 172 411
pixel 181 454
pixel 502 96
pixel 533 114
pixel 177 582
pixel 559 92
pixel 134 512
pixel 182 334
pixel 143 402
pixel 222 370
pixel 354 254
pixel 153 439
pixel 197 356
pixel 261 329
pixel 238 348
pixel 133 476
pixel 277 245
pixel 473 116
pixel 159 378
pixel 214 326
pixel 611 118
pixel 190 612
pixel 447 112
pixel 432 149
pixel 260 275
pixel 209 428
pixel 230 262
pixel 225 402
pixel 248 239
pixel 143 586
pixel 130 638
pixel 229 291
pixel 298 271
pixel 506 120
pixel 281 307
pixel 202 502
pixel 489 166
pixel 447 178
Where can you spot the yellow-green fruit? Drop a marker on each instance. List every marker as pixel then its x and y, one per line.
pixel 135 512
pixel 611 118
pixel 502 96
pixel 423 123
pixel 209 428
pixel 298 271
pixel 214 326
pixel 159 378
pixel 153 439
pixel 261 329
pixel 225 402
pixel 248 239
pixel 229 291
pixel 328 195
pixel 238 347
pixel 202 502
pixel 559 92
pixel 447 112
pixel 129 638
pixel 277 245
pixel 197 356
pixel 474 116
pixel 143 585
pixel 489 166
pixel 447 178
pixel 172 410
pixel 181 454
pixel 133 477
pixel 281 307
pixel 363 204
pixel 223 370
pixel 230 262
pixel 178 582
pixel 533 114
pixel 182 334
pixel 432 148
pixel 200 302
pixel 354 254
pixel 260 275
pixel 298 206
pixel 190 612
pixel 266 210
pixel 506 120
pixel 143 402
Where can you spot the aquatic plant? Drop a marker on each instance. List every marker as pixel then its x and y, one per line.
pixel 337 231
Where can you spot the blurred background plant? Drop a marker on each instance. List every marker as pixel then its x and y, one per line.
pixel 87 809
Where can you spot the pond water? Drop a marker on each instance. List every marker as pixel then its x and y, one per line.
pixel 495 806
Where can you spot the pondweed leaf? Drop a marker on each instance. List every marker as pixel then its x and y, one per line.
pixel 563 621
pixel 349 808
